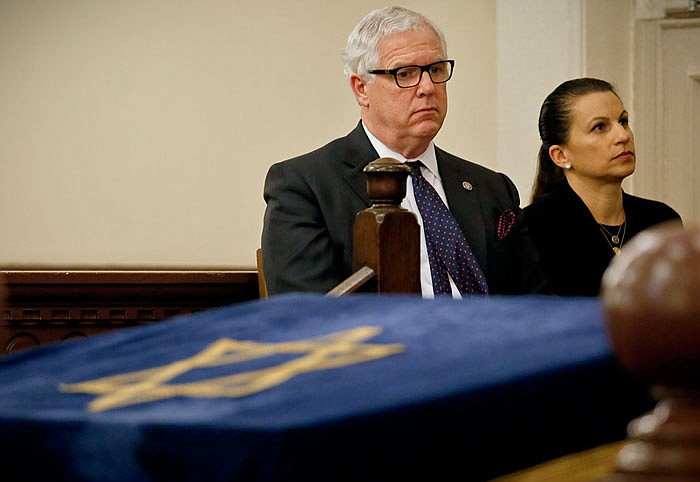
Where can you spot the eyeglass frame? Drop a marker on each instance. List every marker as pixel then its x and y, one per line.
pixel 423 68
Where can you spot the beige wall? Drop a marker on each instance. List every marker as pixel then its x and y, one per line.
pixel 538 48
pixel 139 132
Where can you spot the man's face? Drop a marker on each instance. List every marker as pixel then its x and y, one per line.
pixel 405 119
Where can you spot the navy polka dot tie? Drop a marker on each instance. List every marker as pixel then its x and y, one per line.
pixel 448 249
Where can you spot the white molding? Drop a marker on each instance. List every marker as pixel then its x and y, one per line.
pixel 680 23
pixel 693 127
pixel 577 40
pixel 660 171
pixel 649 9
pixel 656 9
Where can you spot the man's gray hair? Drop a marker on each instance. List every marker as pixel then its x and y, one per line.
pixel 362 51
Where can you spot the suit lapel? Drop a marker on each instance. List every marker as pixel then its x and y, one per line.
pixel 464 203
pixel 359 153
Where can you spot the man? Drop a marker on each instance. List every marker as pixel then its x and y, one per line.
pixel 396 64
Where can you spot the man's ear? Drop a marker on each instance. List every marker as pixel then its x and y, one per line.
pixel 359 88
pixel 558 155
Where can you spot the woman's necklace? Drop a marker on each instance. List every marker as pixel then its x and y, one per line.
pixel 614 240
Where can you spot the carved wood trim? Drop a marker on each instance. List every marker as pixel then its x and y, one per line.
pixel 45 306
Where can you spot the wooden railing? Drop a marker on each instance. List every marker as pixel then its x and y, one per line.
pixel 386 237
pixel 45 306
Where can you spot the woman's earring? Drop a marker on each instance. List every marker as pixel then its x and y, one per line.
pixel 567 165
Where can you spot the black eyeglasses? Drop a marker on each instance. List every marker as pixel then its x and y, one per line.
pixel 411 75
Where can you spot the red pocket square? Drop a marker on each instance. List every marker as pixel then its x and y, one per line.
pixel 505 223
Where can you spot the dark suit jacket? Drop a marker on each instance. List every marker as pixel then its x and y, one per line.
pixel 312 201
pixel 573 251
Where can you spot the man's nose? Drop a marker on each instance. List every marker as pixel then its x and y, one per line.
pixel 426 83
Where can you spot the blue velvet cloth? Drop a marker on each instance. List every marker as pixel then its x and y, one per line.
pixel 303 387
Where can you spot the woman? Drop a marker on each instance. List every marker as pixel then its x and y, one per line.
pixel 580 217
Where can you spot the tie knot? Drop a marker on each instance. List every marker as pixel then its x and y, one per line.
pixel 415 167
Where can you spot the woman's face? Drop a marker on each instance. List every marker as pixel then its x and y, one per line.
pixel 601 143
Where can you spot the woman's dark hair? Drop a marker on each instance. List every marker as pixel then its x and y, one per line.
pixel 554 124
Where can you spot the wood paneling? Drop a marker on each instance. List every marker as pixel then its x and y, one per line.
pixel 47 306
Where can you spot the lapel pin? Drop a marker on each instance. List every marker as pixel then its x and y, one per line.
pixel 467 185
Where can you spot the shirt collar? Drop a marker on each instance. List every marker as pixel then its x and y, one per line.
pixel 428 157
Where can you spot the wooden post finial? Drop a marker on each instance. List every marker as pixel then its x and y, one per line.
pixel 651 299
pixel 386 181
pixel 386 237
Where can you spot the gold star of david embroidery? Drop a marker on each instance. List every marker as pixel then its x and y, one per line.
pixel 322 353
